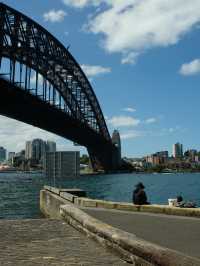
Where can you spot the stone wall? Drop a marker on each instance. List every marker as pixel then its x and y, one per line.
pixel 79 198
pixel 128 246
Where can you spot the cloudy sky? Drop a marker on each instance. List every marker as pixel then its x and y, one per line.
pixel 143 60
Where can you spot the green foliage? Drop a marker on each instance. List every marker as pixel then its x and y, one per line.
pixel 84 159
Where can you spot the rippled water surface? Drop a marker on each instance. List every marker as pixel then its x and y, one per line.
pixel 19 192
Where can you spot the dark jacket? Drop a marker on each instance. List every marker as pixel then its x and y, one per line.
pixel 139 197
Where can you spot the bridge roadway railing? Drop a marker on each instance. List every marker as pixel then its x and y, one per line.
pixel 65 204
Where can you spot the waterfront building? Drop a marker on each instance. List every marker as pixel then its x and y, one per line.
pixel 64 164
pixel 177 150
pixel 117 142
pixel 11 155
pixel 2 154
pixel 157 158
pixel 190 154
pixel 20 154
pixel 153 159
pixel 163 154
pixel 50 146
pixel 18 159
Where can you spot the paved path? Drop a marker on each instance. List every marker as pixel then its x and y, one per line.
pixel 175 232
pixel 49 242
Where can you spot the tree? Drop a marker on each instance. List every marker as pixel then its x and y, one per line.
pixel 84 159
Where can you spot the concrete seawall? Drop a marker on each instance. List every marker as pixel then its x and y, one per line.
pixel 64 205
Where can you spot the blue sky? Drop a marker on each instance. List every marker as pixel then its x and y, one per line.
pixel 143 60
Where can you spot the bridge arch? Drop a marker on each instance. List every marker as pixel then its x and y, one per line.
pixel 34 61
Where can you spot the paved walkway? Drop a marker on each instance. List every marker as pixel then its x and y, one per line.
pixel 175 232
pixel 49 242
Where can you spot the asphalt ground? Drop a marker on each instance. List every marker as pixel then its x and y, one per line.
pixel 174 232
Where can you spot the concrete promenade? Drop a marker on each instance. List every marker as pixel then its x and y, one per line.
pixel 49 242
pixel 174 232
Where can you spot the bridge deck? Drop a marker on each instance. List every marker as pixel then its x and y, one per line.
pixel 174 232
pixel 49 242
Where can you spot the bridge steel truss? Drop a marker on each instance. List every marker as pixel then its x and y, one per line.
pixel 33 60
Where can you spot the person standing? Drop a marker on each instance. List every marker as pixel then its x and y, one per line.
pixel 139 195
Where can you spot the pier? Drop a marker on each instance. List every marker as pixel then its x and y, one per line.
pixel 141 235
pixel 77 230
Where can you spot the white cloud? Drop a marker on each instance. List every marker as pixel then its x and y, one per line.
pixel 131 135
pixel 191 68
pixel 54 16
pixel 133 26
pixel 81 3
pixel 92 71
pixel 123 121
pixel 129 58
pixel 14 134
pixel 129 109
pixel 172 130
pixel 150 120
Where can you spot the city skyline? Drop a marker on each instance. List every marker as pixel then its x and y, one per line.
pixel 147 84
pixel 177 149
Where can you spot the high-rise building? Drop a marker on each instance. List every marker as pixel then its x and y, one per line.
pixel 177 150
pixel 2 154
pixel 38 149
pixel 28 150
pixel 50 146
pixel 62 164
pixel 117 142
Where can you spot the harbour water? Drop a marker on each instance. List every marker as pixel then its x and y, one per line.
pixel 19 192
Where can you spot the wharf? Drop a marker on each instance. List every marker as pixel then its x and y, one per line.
pixel 49 242
pixel 170 231
pixel 141 235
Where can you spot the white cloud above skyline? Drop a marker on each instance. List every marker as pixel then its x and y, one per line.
pixel 129 109
pixel 131 134
pixel 81 3
pixel 150 120
pixel 14 134
pixel 123 121
pixel 190 68
pixel 93 71
pixel 134 26
pixel 54 15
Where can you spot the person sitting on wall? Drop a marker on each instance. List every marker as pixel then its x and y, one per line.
pixel 139 195
pixel 184 204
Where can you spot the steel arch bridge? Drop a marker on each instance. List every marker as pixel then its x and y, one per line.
pixel 43 85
